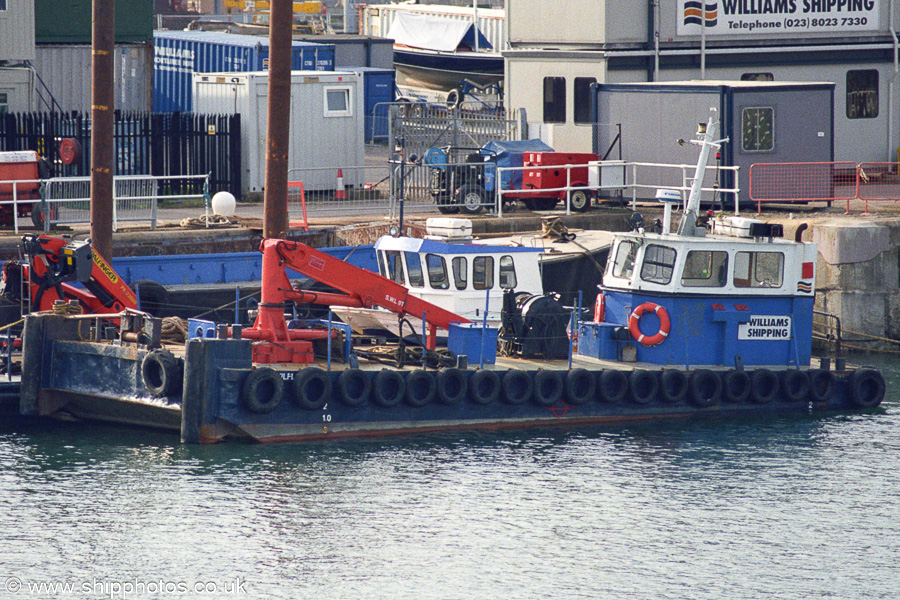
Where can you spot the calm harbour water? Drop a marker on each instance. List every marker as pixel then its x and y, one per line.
pixel 788 507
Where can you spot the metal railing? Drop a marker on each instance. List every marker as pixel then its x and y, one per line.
pixel 18 195
pixel 135 197
pixel 348 191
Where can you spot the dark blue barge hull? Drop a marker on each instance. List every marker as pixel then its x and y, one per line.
pixel 211 391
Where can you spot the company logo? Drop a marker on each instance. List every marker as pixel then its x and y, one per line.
pixel 804 286
pixel 105 268
pixel 696 11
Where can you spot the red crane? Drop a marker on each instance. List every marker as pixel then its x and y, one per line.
pixel 363 289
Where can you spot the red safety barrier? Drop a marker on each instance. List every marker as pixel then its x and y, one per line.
pixel 877 182
pixel 296 188
pixel 802 182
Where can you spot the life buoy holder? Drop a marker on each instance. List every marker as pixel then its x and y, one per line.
pixel 664 324
pixel 600 308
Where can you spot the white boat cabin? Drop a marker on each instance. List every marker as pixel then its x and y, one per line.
pixel 743 257
pixel 459 277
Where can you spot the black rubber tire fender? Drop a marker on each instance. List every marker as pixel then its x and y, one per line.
pixel 420 388
pixel 262 390
pixel 736 386
pixel 642 386
pixel 312 388
pixel 867 387
pixel 794 385
pixel 821 385
pixel 162 373
pixel 484 387
pixel 354 386
pixel 389 388
pixel 548 387
pixel 673 385
pixel 517 386
pixel 451 386
pixel 581 386
pixel 764 386
pixel 613 386
pixel 705 388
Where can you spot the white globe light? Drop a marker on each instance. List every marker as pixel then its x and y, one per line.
pixel 223 203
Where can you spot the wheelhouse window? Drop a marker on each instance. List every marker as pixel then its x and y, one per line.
pixel 393 267
pixel 414 269
pixel 337 102
pixel 437 271
pixel 507 273
pixel 554 99
pixel 758 129
pixel 483 272
pixel 460 272
pixel 705 268
pixel 659 262
pixel 623 265
pixel 758 269
pixel 862 94
pixel 582 99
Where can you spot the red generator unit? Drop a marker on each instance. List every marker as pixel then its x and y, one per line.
pixel 20 175
pixel 550 178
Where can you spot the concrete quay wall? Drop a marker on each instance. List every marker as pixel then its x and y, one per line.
pixel 857 275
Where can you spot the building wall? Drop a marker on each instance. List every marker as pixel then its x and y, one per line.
pixel 69 21
pixel 16 90
pixel 17 31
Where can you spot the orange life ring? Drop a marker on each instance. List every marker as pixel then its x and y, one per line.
pixel 600 308
pixel 664 324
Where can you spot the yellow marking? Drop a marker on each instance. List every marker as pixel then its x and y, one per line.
pixel 101 264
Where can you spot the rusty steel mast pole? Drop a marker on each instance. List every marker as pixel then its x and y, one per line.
pixel 275 219
pixel 102 125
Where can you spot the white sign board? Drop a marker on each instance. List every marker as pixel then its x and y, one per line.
pixel 768 17
pixel 765 327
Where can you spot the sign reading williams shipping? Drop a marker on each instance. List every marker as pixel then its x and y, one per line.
pixel 765 327
pixel 767 17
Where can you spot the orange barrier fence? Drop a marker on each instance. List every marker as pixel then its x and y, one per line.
pixel 824 182
pixel 297 199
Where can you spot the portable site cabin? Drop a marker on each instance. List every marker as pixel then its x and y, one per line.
pixel 326 127
pixel 178 54
pixel 765 122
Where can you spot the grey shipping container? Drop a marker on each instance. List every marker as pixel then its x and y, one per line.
pixel 798 118
pixel 379 87
pixel 179 54
pixel 356 50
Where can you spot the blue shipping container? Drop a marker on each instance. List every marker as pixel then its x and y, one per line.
pixel 379 88
pixel 178 54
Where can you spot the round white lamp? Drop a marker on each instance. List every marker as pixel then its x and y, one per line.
pixel 223 203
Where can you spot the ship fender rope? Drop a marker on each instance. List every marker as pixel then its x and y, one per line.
pixel 161 373
pixel 665 324
pixel 581 386
pixel 794 385
pixel 354 387
pixel 312 388
pixel 673 386
pixel 763 386
pixel 262 390
pixel 548 387
pixel 420 388
pixel 642 386
pixel 867 387
pixel 484 387
pixel 736 386
pixel 821 385
pixel 705 388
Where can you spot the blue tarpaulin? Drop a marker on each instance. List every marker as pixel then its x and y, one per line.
pixel 509 154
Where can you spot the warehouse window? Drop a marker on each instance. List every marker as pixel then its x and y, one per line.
pixel 583 99
pixel 554 99
pixel 2 5
pixel 337 102
pixel 862 94
pixel 4 100
pixel 758 129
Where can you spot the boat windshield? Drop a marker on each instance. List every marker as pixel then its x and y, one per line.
pixel 705 268
pixel 437 271
pixel 758 269
pixel 623 265
pixel 659 262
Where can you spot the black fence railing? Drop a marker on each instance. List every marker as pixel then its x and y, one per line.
pixel 160 144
